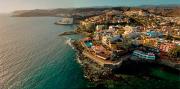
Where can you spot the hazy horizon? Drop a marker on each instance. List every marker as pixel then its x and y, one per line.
pixel 12 5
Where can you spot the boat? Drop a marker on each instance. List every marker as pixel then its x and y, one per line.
pixel 65 21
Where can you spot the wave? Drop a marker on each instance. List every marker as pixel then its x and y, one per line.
pixel 78 59
pixel 69 42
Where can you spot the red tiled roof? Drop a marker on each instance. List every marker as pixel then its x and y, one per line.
pixel 87 39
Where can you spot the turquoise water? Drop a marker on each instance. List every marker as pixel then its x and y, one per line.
pixel 165 75
pixel 33 56
pixel 88 43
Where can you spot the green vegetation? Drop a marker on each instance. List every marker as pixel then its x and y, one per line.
pixel 126 42
pixel 134 82
pixel 168 37
pixel 90 27
pixel 120 32
pixel 175 53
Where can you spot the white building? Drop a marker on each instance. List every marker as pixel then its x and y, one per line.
pixel 131 32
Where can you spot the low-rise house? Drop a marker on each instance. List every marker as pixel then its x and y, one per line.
pixel 131 32
pixel 161 40
pixel 166 47
pixel 100 27
pixel 176 42
pixel 98 49
pixel 177 32
pixel 140 28
pixel 137 41
pixel 116 42
pixel 112 41
pixel 115 29
pixel 83 23
pixel 143 55
pixel 135 12
pixel 105 40
pixel 153 50
pixel 150 42
pixel 97 36
pixel 100 52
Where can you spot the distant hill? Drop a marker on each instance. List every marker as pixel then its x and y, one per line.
pixel 160 6
pixel 57 12
pixel 165 10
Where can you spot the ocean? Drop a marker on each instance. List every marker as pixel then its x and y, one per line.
pixel 33 56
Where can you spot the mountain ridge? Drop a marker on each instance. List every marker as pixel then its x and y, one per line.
pixel 89 11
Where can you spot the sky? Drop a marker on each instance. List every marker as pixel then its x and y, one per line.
pixel 11 5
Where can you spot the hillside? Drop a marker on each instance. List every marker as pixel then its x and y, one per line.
pixel 86 12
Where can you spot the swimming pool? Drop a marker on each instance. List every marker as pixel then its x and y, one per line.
pixel 88 43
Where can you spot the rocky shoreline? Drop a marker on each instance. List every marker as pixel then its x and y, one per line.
pixel 68 33
pixel 92 71
pixel 103 77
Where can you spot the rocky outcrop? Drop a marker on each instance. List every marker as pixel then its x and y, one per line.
pixel 68 33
